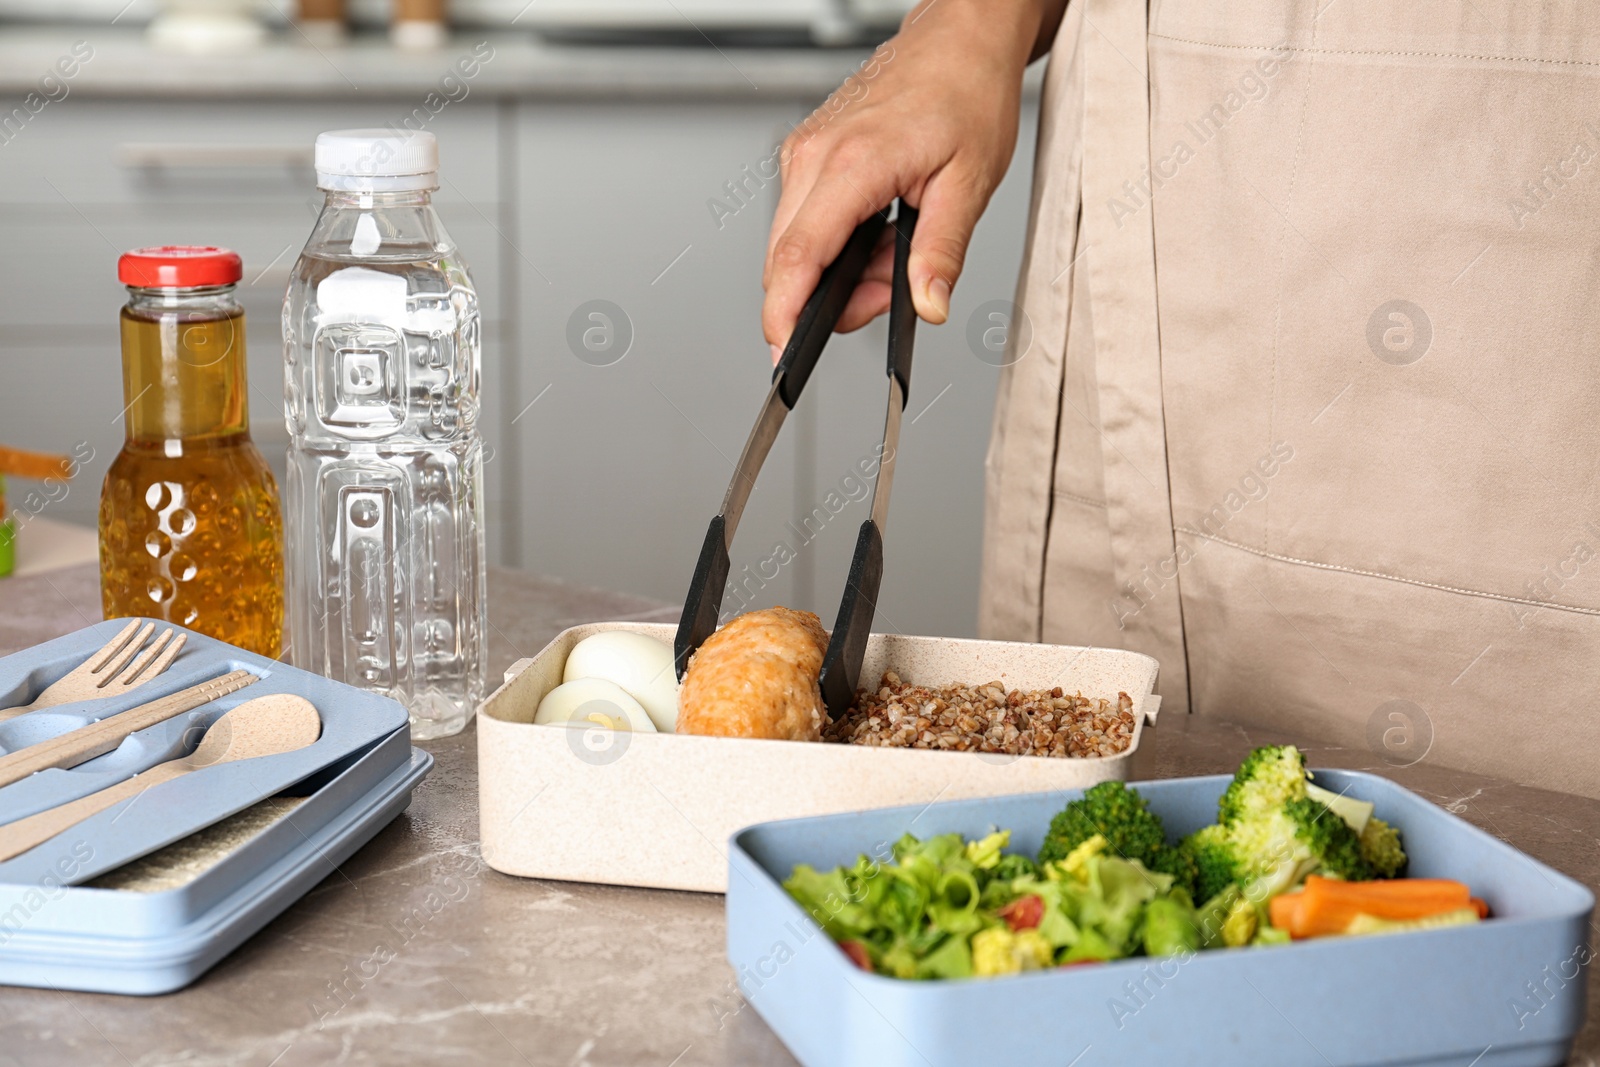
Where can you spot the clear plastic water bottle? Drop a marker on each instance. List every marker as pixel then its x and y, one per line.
pixel 384 503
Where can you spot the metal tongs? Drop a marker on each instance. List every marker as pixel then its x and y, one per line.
pixel 841 666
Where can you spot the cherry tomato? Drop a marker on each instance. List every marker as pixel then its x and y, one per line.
pixel 857 953
pixel 1024 913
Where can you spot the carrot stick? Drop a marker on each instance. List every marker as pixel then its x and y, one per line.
pixel 1328 905
pixel 1284 909
pixel 35 465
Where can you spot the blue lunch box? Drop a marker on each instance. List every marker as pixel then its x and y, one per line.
pixel 1508 992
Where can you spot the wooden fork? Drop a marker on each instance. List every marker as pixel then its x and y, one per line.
pixel 119 667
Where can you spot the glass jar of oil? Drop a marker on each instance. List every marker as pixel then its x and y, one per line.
pixel 190 529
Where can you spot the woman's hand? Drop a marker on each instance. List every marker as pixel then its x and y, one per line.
pixel 932 117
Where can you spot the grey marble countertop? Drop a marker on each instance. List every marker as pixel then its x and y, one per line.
pixel 522 65
pixel 488 968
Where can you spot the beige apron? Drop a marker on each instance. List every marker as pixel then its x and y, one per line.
pixel 1311 409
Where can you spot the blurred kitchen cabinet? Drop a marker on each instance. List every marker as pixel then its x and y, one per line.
pixel 640 232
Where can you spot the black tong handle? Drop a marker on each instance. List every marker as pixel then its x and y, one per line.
pixel 841 665
pixel 902 312
pixel 823 308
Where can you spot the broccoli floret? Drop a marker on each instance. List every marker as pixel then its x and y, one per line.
pixel 1330 839
pixel 1274 829
pixel 1179 861
pixel 1215 858
pixel 1271 833
pixel 1113 811
pixel 1380 847
pixel 1266 779
pixel 1275 851
pixel 1132 831
pixel 1268 853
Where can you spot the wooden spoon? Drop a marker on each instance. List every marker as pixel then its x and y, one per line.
pixel 265 726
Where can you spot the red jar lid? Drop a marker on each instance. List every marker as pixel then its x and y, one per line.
pixel 179 267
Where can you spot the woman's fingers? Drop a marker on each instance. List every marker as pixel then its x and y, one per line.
pixel 798 174
pixel 951 204
pixel 871 297
pixel 932 119
pixel 950 208
pixel 870 300
pixel 812 240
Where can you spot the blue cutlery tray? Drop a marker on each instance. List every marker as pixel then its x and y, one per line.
pixel 1505 993
pixel 351 781
pixel 351 720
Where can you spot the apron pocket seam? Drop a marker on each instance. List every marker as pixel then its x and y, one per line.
pixel 1376 52
pixel 1460 590
pixel 1086 501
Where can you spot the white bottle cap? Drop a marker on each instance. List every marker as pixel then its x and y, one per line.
pixel 377 160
